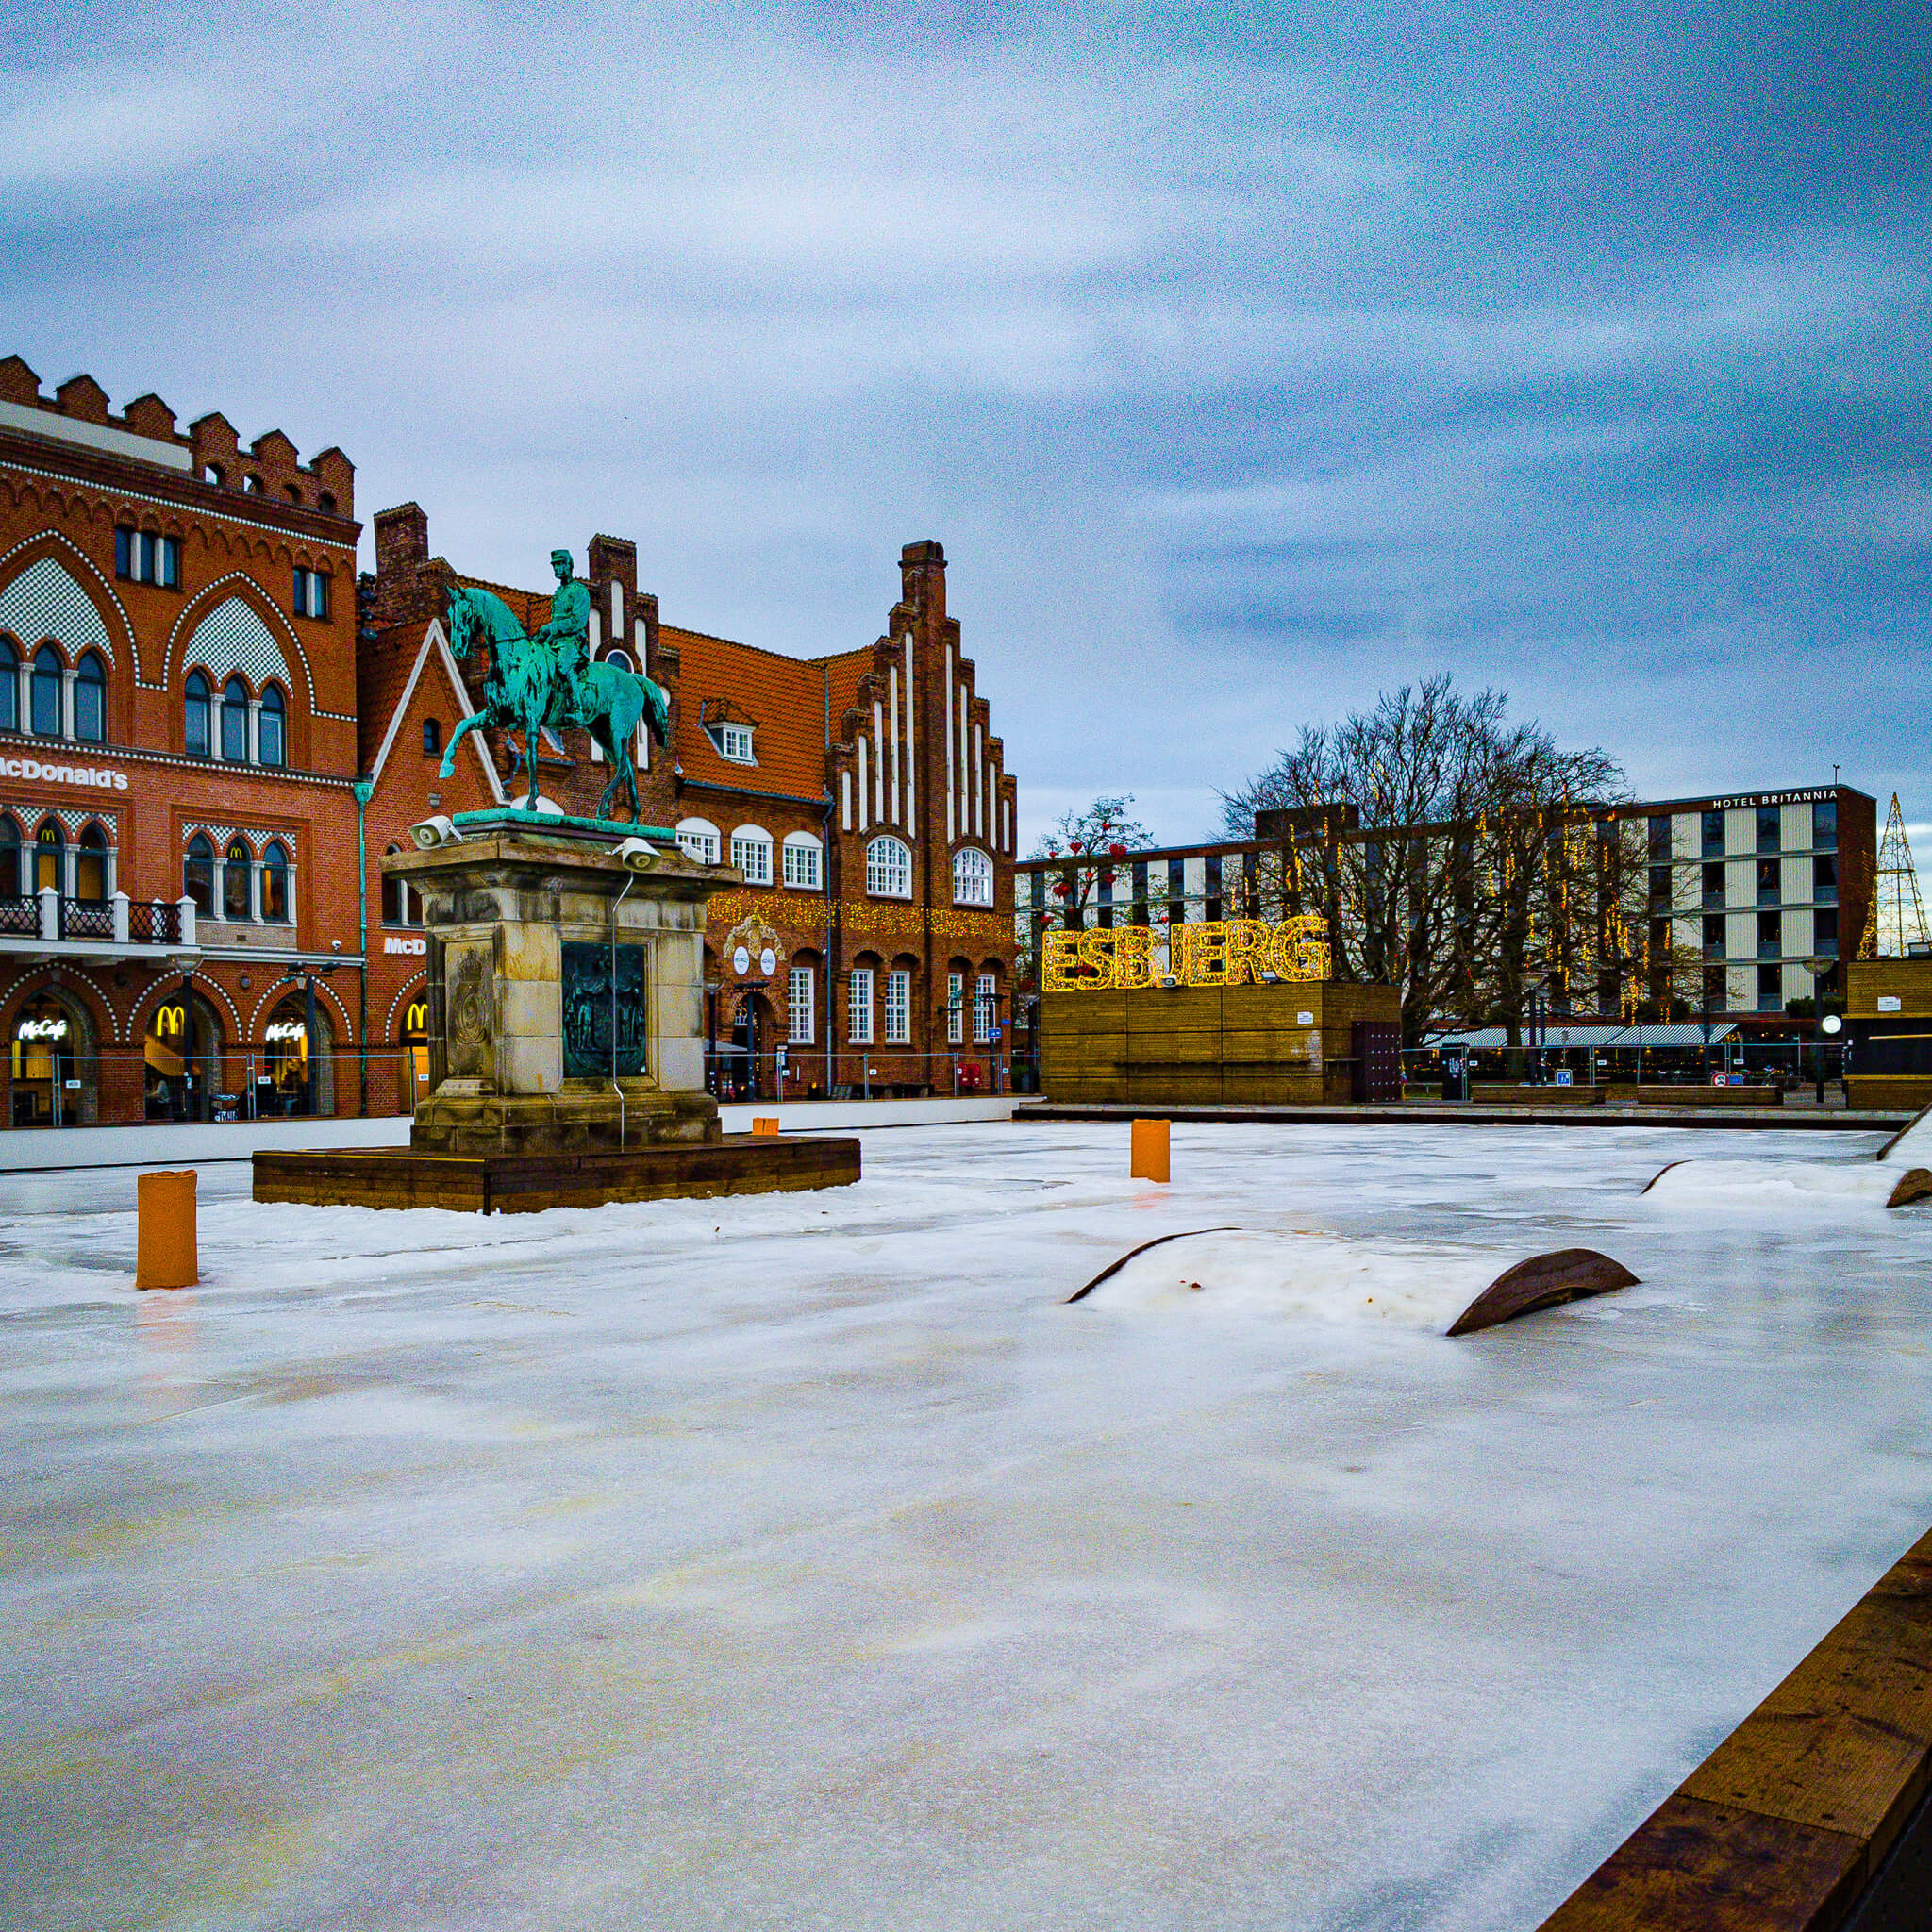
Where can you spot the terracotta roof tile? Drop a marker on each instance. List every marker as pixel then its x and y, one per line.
pixel 785 695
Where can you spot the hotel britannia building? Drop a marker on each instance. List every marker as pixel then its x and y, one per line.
pixel 211 732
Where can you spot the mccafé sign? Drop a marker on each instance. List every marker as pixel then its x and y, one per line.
pixel 1212 952
pixel 100 777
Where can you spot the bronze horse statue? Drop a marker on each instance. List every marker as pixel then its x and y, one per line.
pixel 528 687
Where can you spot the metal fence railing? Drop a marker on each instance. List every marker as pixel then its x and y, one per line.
pixel 853 1073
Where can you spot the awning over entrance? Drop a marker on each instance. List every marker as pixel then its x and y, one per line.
pixel 1604 1039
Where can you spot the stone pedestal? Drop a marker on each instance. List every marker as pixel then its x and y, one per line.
pixel 566 988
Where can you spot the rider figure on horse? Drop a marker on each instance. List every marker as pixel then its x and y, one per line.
pixel 567 633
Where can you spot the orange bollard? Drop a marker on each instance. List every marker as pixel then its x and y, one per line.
pixel 1147 1153
pixel 165 1253
pixel 765 1123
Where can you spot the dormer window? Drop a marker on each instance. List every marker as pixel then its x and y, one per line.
pixel 733 742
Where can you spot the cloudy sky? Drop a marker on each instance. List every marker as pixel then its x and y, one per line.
pixel 1244 365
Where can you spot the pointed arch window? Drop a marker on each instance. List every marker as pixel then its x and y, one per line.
pixel 198 874
pixel 91 866
pixel 237 863
pixel 273 725
pixel 198 712
pixel 50 858
pixel 90 700
pixel 46 693
pixel 275 883
pixel 235 721
pixel 9 686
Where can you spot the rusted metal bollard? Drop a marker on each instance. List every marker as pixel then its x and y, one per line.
pixel 165 1250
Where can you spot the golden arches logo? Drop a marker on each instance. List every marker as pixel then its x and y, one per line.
pixel 417 1019
pixel 169 1022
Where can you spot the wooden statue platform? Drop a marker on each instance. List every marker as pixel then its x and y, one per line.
pixel 529 1183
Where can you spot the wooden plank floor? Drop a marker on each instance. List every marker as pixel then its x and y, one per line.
pixel 1784 1825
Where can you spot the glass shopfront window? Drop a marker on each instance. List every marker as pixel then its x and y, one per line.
pixel 42 1060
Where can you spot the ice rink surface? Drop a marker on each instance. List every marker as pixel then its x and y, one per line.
pixel 804 1562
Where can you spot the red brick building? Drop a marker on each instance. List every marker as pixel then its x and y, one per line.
pixel 200 731
pixel 862 795
pixel 181 762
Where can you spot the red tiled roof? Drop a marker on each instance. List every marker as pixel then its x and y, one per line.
pixel 787 697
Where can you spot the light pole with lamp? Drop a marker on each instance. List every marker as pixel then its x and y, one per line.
pixel 1827 1023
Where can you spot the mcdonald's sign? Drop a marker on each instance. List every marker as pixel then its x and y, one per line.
pixel 170 1022
pixel 417 1019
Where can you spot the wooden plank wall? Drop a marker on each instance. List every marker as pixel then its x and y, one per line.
pixel 1206 1044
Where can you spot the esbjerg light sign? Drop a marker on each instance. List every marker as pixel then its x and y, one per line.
pixel 1207 952
pixel 102 777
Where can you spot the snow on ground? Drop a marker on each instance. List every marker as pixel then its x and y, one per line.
pixel 806 1561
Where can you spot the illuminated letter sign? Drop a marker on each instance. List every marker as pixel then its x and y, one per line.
pixel 170 1021
pixel 1208 952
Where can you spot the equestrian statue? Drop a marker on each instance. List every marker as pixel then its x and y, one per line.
pixel 547 678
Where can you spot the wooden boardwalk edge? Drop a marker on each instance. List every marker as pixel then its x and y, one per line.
pixel 1788 1824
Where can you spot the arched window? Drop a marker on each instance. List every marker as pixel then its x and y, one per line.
pixel 12 884
pixel 212 473
pixel 198 874
pixel 326 503
pixel 293 495
pixel 46 693
pixel 90 700
pixel 972 877
pixel 91 865
pixel 9 686
pixel 235 721
pixel 252 485
pixel 195 736
pixel 698 838
pixel 802 862
pixel 432 738
pixel 237 863
pixel 888 869
pixel 275 882
pixel 273 726
pixel 751 853
pixel 50 856
pixel 617 655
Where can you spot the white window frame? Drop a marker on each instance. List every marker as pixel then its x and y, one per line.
pixel 889 868
pixel 751 852
pixel 955 1010
pixel 858 1007
pixel 804 863
pixel 898 1013
pixel 986 995
pixel 734 744
pixel 697 838
pixel 972 877
pixel 801 1007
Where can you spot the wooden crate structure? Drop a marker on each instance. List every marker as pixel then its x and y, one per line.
pixel 1289 1043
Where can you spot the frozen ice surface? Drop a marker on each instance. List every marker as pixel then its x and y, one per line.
pixel 806 1561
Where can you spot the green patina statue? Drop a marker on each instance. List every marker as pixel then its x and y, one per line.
pixel 548 678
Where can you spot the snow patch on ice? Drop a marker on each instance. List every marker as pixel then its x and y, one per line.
pixel 1411 1285
pixel 1913 1148
pixel 1758 1186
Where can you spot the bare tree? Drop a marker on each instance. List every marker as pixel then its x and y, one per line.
pixel 1453 854
pixel 1093 842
